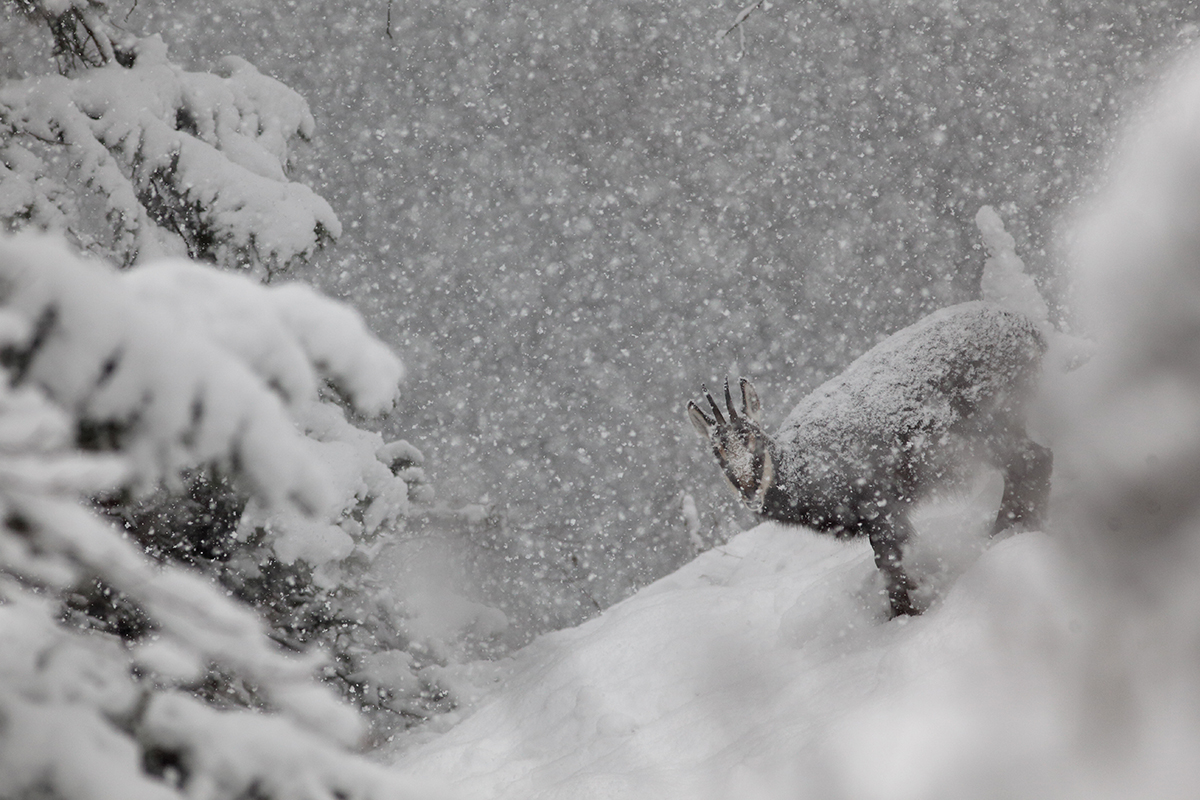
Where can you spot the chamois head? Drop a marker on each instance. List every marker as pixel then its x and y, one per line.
pixel 740 444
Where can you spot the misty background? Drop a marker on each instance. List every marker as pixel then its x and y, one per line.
pixel 567 216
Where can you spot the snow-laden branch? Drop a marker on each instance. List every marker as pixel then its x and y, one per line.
pixel 83 36
pixel 178 366
pixel 75 713
pixel 165 367
pixel 140 381
pixel 291 335
pixel 296 341
pixel 183 162
pixel 741 17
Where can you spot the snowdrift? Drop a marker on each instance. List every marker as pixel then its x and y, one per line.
pixel 762 669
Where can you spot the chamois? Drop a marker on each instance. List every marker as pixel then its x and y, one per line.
pixel 903 419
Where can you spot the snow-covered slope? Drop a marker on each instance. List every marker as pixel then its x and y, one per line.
pixel 753 672
pixel 1060 666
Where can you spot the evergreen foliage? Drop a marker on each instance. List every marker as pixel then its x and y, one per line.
pixel 238 408
pixel 121 675
pixel 176 162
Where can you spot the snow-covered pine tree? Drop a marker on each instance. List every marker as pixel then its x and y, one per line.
pixel 161 160
pixel 143 355
pixel 133 156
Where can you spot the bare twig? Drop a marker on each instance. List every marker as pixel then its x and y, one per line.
pixel 94 27
pixel 741 17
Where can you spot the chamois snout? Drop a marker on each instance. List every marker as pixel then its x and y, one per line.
pixel 741 446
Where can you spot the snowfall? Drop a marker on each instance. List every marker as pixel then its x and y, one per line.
pixel 768 666
pixel 1049 664
pixel 1061 663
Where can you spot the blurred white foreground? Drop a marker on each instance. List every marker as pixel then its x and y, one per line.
pixel 766 668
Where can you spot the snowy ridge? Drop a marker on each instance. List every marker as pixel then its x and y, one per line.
pixel 755 672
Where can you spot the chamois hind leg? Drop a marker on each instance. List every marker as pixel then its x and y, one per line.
pixel 888 534
pixel 1026 487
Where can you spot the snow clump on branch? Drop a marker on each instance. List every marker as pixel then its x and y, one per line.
pixel 181 366
pixel 87 715
pixel 184 163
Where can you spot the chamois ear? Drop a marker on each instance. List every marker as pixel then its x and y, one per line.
pixel 750 402
pixel 700 421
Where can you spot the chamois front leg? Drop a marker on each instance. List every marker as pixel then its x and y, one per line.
pixel 742 447
pixel 888 533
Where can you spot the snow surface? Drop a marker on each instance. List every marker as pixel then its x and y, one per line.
pixel 752 672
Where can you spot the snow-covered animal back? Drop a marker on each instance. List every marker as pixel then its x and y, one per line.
pixel 958 377
pixel 905 418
